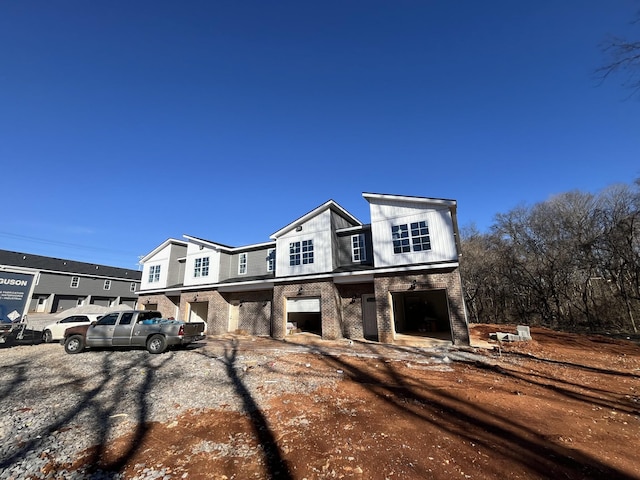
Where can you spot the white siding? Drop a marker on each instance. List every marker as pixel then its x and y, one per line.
pixel 317 229
pixel 441 233
pixel 193 252
pixel 161 258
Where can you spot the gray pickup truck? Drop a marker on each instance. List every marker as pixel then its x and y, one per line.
pixel 132 328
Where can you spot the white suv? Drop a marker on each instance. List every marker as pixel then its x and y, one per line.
pixel 55 331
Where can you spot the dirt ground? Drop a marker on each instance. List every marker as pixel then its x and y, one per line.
pixel 559 406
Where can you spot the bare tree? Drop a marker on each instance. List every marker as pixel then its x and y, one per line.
pixel 622 58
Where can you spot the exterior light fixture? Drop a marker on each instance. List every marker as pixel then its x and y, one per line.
pixel 354 299
pixel 414 284
pixel 300 290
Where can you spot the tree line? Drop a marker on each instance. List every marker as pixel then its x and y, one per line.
pixel 571 262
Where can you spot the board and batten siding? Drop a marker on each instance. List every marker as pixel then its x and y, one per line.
pixel 195 251
pixel 317 229
pixel 441 233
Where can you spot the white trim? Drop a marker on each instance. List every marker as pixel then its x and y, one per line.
pixel 164 244
pixel 331 204
pixel 404 198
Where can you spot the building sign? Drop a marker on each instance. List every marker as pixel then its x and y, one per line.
pixel 15 293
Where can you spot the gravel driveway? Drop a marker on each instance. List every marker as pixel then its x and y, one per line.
pixel 56 405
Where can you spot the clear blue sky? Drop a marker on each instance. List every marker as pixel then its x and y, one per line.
pixel 124 123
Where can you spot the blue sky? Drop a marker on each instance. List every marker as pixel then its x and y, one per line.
pixel 124 123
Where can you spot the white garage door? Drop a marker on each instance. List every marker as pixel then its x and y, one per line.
pixel 303 305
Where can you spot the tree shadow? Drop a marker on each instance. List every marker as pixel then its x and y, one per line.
pixel 474 423
pixel 277 466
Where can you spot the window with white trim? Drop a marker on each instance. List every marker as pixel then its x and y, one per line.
pixel 271 259
pixel 405 239
pixel 132 287
pixel 154 273
pixel 201 267
pixel 301 252
pixel 75 281
pixel 107 284
pixel 242 264
pixel 358 252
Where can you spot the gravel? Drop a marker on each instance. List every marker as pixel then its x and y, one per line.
pixel 54 406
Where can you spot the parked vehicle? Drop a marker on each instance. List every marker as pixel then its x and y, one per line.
pixel 55 331
pixel 133 328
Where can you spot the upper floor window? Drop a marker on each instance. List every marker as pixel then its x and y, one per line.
pixel 132 287
pixel 416 239
pixel 201 267
pixel 154 273
pixel 358 252
pixel 242 264
pixel 301 252
pixel 420 236
pixel 271 260
pixel 75 281
pixel 107 284
pixel 307 251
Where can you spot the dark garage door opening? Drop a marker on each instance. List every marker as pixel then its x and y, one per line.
pixel 422 313
pixel 304 314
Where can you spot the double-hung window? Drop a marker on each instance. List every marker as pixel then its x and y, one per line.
pixel 358 252
pixel 301 253
pixel 307 251
pixel 75 281
pixel 420 236
pixel 154 273
pixel 410 237
pixel 242 264
pixel 107 285
pixel 201 267
pixel 271 260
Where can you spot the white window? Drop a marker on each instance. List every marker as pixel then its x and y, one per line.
pixel 242 264
pixel 107 284
pixel 271 259
pixel 75 281
pixel 358 252
pixel 132 287
pixel 154 273
pixel 201 267
pixel 305 247
pixel 416 239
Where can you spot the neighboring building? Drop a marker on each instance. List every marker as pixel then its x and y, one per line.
pixel 325 273
pixel 62 284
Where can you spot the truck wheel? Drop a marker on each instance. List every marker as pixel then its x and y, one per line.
pixel 156 344
pixel 74 344
pixel 47 337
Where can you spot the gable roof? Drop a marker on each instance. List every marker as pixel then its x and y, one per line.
pixel 51 264
pixel 328 205
pixel 164 244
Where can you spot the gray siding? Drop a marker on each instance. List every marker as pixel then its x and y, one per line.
pixel 60 284
pixel 345 253
pixel 256 263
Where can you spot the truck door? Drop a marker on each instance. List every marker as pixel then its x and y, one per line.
pixel 122 331
pixel 101 334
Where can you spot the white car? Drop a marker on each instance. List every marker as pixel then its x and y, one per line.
pixel 55 331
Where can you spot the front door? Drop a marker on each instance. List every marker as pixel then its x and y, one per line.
pixel 370 322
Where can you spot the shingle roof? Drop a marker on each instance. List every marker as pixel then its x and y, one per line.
pixel 28 260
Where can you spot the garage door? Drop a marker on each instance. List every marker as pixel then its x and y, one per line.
pixel 303 305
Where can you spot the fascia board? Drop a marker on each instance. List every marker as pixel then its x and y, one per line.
pixel 406 198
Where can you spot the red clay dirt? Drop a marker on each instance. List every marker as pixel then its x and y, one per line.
pixel 559 406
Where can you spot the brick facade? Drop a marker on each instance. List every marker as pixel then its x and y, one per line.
pixel 447 280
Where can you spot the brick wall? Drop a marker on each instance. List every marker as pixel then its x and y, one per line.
pixel 329 301
pixel 351 305
pixel 254 312
pixel 448 280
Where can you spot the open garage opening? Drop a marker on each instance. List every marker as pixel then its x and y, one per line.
pixel 423 314
pixel 304 316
